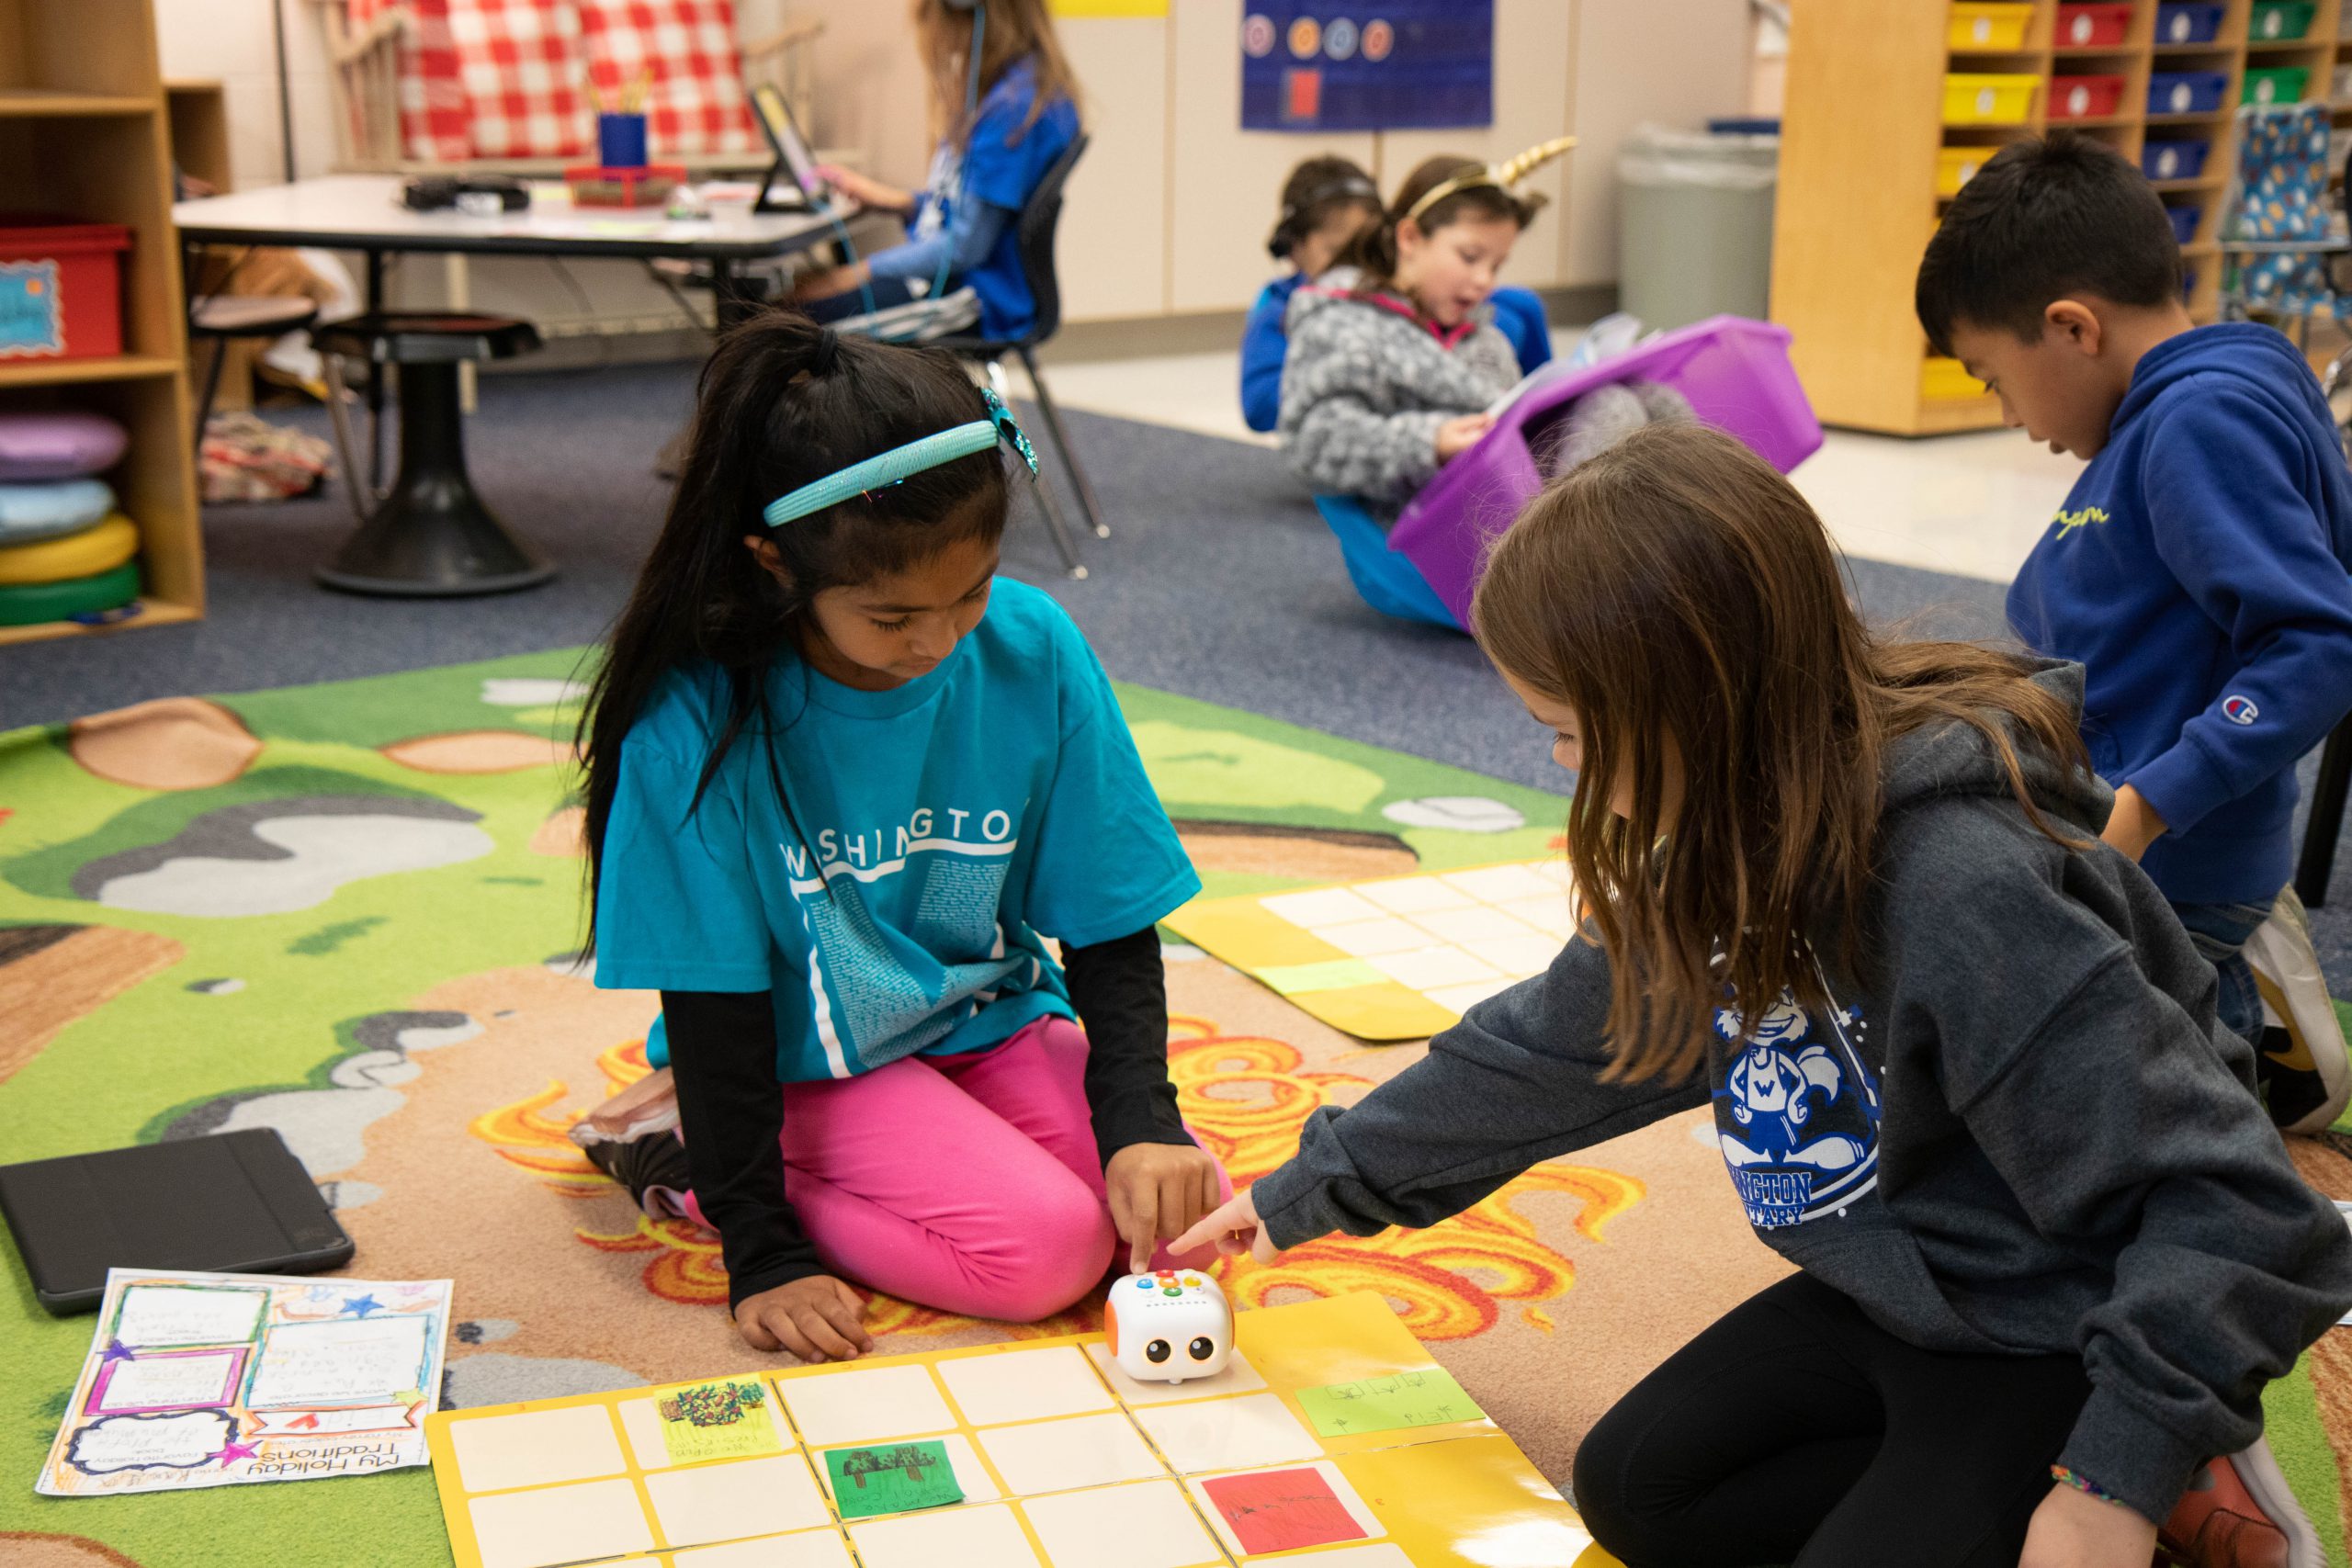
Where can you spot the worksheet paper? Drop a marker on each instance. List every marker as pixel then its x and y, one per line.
pixel 218 1379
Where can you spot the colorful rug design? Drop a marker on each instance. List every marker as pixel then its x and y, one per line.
pixel 351 912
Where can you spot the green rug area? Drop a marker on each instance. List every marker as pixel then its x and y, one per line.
pixel 208 961
pixel 191 927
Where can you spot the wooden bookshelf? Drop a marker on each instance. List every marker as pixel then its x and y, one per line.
pixel 84 135
pixel 1860 142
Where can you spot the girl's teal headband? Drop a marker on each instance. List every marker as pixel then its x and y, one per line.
pixel 900 463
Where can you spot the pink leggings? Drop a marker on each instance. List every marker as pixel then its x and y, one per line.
pixel 968 1183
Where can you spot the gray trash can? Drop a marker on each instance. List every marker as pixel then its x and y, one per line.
pixel 1695 226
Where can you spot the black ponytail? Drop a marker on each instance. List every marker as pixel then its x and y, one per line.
pixel 782 403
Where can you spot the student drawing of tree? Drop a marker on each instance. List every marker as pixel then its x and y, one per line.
pixel 912 1458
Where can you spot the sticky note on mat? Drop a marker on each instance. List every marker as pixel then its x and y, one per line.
pixel 1427 1398
pixel 725 1419
pixel 891 1478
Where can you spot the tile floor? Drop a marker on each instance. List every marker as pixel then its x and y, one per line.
pixel 1967 504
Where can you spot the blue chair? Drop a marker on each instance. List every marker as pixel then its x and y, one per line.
pixel 1386 580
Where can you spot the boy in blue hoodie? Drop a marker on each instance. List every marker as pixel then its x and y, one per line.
pixel 1326 201
pixel 2200 571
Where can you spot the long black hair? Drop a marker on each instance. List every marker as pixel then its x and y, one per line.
pixel 783 402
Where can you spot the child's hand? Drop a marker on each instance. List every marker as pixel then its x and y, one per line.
pixel 1158 1191
pixel 2074 1529
pixel 2133 825
pixel 1456 436
pixel 863 190
pixel 1234 1228
pixel 817 1318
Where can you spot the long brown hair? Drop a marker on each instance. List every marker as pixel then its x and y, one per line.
pixel 1015 29
pixel 1373 249
pixel 1684 599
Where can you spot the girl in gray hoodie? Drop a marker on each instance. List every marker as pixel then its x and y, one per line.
pixel 1964 1065
pixel 1394 353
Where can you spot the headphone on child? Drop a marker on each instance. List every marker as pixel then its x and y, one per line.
pixel 1291 228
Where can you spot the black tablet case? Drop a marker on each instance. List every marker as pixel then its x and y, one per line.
pixel 232 1203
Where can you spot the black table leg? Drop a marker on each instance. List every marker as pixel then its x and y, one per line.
pixel 731 303
pixel 2326 824
pixel 433 538
pixel 375 297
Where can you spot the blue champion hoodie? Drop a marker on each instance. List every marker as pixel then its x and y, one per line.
pixel 2201 573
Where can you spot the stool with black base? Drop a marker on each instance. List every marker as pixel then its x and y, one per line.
pixel 431 536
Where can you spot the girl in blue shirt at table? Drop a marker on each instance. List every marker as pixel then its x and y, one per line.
pixel 841 783
pixel 1326 202
pixel 1004 126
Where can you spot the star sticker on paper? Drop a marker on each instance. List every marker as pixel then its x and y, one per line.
pixel 361 1305
pixel 115 1352
pixel 230 1452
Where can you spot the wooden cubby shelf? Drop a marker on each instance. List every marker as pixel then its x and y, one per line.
pixel 84 135
pixel 1861 172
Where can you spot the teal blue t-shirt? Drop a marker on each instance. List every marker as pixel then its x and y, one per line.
pixel 935 831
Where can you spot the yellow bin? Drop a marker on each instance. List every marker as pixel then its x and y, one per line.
pixel 1943 378
pixel 1989 27
pixel 1955 167
pixel 2004 98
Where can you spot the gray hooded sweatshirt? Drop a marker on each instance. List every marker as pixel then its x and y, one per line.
pixel 1366 385
pixel 2020 1131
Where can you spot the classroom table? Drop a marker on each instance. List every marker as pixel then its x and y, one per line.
pixel 364 213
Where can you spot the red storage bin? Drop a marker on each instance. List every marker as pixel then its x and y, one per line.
pixel 2084 97
pixel 2092 26
pixel 60 288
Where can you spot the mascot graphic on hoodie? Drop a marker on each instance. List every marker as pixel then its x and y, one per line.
pixel 1797 1116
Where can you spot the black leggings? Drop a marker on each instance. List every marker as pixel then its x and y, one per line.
pixel 1795 1430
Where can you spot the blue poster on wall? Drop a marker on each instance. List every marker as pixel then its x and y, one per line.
pixel 1367 64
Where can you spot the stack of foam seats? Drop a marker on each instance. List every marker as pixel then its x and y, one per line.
pixel 66 549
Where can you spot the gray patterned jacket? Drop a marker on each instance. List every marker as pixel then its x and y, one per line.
pixel 1365 386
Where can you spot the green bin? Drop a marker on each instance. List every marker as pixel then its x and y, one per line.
pixel 2274 20
pixel 2276 85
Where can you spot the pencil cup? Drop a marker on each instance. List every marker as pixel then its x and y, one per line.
pixel 620 140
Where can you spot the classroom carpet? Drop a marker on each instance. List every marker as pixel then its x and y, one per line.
pixel 351 912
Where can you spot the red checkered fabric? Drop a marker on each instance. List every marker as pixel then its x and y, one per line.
pixel 688 47
pixel 435 122
pixel 525 77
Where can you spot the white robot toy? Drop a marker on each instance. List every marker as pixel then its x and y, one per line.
pixel 1174 1325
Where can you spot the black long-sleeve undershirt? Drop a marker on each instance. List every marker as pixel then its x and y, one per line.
pixel 722 1056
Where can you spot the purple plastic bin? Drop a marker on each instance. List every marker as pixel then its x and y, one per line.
pixel 1735 373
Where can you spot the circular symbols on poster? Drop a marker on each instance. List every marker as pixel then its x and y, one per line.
pixel 1339 37
pixel 1257 35
pixel 1379 38
pixel 1305 38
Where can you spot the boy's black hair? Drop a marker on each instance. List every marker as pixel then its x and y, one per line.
pixel 2045 219
pixel 1318 188
pixel 783 402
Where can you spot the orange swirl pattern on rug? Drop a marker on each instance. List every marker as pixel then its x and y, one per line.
pixel 1247 1096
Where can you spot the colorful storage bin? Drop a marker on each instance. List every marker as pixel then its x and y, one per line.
pixel 1955 167
pixel 1990 26
pixel 2195 22
pixel 1941 379
pixel 2173 160
pixel 2185 92
pixel 61 290
pixel 31 604
pixel 2278 19
pixel 2085 97
pixel 2274 84
pixel 2092 26
pixel 2006 98
pixel 2184 219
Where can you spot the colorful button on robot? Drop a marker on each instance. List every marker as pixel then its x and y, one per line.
pixel 1142 1284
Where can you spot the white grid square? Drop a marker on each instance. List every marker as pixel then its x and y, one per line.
pixel 865 1405
pixel 1413 894
pixel 1023 1385
pixel 1433 966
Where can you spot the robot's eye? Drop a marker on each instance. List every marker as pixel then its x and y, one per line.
pixel 1157 1351
pixel 1202 1348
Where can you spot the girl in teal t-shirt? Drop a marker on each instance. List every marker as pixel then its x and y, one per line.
pixel 842 786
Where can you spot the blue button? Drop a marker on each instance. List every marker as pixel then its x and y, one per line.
pixel 1143 1284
